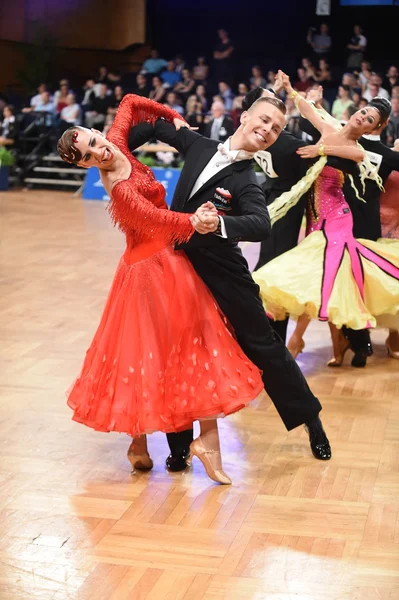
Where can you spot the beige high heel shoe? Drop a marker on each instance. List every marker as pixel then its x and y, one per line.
pixel 210 459
pixel 295 350
pixel 337 360
pixel 138 455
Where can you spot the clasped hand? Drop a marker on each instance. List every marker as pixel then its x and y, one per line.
pixel 205 219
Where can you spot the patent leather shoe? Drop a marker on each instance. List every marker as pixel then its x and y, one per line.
pixel 177 462
pixel 318 440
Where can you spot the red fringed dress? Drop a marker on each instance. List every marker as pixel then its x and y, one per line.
pixel 162 355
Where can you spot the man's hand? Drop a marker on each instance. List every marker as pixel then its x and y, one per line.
pixel 179 123
pixel 205 219
pixel 309 151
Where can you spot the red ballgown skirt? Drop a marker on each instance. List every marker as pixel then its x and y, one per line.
pixel 163 355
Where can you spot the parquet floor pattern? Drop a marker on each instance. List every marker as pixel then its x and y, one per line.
pixel 75 524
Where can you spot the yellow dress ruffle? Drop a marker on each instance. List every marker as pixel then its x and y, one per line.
pixel 291 284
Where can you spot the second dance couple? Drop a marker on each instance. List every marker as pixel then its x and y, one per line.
pixel 167 352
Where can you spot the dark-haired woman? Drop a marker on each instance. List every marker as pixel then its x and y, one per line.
pixel 162 355
pixel 331 275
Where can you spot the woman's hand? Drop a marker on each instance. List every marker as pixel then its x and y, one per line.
pixel 205 219
pixel 316 95
pixel 309 151
pixel 179 123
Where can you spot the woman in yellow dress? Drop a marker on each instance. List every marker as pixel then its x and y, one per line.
pixel 331 276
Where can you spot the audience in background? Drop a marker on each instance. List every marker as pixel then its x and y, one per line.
pixel 219 126
pixel 153 65
pixel 200 70
pixel 320 42
pixel 157 91
pixel 141 86
pixel 9 128
pixel 357 47
pixel 170 76
pixel 257 79
pixel 98 108
pixel 190 89
pixel 342 102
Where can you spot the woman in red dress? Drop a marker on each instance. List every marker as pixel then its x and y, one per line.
pixel 162 355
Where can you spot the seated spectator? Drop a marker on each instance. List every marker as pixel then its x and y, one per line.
pixel 220 126
pixel 95 117
pixel 365 74
pixel 60 96
pixel 194 116
pixel 375 82
pixel 109 119
pixel 395 91
pixel 320 42
pixel 362 103
pixel 118 95
pixel 71 115
pixel 104 76
pixel 357 46
pixel 9 127
pixel 47 106
pixel 37 99
pixel 342 102
pixel 200 70
pixel 170 77
pixel 351 80
pixel 227 95
pixel 257 79
pixel 293 115
pixel 185 87
pixel 141 88
pixel 171 102
pixel 303 82
pixel 356 99
pixel 89 92
pixel 237 110
pixel 153 65
pixel 200 92
pixel 309 68
pixel 180 63
pixel 393 123
pixel 158 90
pixel 392 78
pixel 271 80
pixel 323 75
pixel 242 89
pixel 349 112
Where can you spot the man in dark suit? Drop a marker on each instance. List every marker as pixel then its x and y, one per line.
pixel 224 175
pixel 220 127
pixel 283 168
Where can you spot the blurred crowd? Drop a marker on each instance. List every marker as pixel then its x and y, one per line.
pixel 206 92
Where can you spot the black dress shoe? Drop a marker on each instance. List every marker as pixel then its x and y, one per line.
pixel 318 440
pixel 177 462
pixel 360 359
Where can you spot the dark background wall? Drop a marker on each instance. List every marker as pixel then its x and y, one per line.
pixel 273 29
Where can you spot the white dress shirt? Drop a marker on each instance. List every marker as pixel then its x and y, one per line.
pixel 222 158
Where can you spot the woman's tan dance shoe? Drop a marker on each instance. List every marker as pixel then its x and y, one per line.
pixel 211 460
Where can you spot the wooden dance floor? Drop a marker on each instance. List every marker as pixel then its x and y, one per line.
pixel 75 524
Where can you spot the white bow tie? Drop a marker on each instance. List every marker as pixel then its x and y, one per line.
pixel 224 152
pixel 234 155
